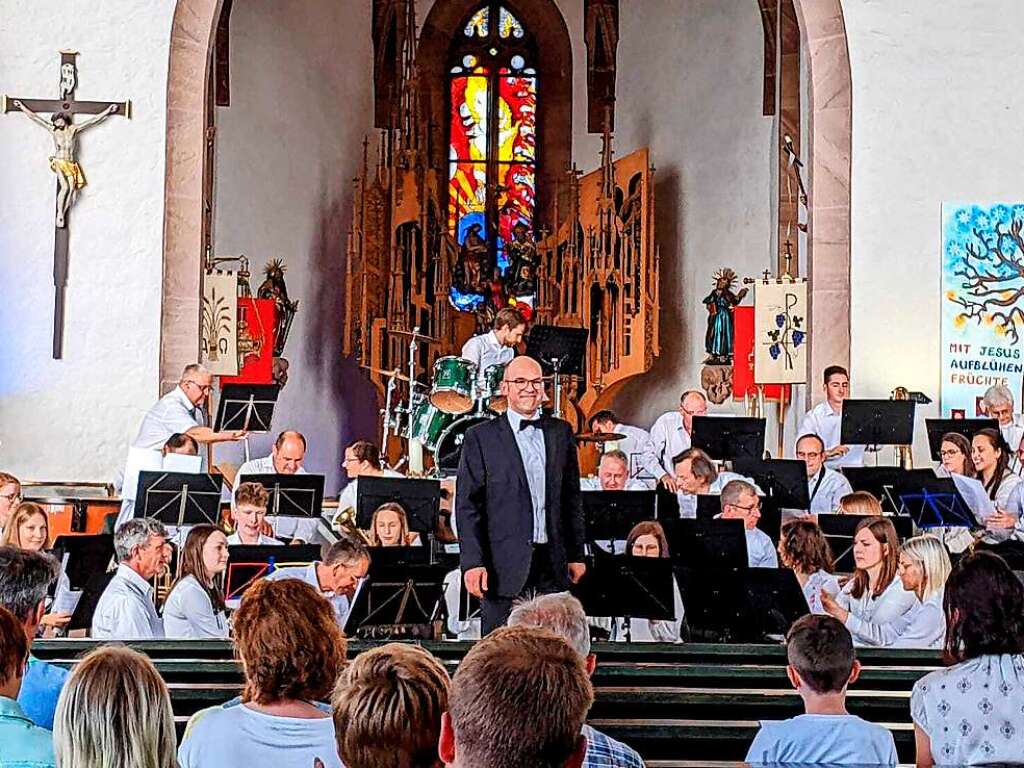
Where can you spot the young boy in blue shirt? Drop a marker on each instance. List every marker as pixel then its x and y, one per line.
pixel 821 666
pixel 21 741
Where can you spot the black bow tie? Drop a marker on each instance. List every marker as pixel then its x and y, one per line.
pixel 529 423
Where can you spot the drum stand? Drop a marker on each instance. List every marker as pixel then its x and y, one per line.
pixel 556 363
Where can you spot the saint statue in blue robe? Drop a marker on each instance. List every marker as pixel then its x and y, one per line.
pixel 718 341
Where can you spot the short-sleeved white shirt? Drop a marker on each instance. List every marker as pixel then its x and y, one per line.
pixel 172 414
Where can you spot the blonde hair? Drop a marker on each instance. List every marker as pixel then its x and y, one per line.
pixel 25 510
pixel 403 519
pixel 934 560
pixel 860 503
pixel 114 712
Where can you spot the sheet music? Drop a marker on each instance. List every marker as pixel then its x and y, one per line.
pixel 65 599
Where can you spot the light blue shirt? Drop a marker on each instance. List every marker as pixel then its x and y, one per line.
pixel 822 740
pixel 126 611
pixel 307 573
pixel 23 743
pixel 189 613
pixel 761 551
pixel 40 689
pixel 533 452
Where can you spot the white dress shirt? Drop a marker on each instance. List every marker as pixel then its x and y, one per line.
pixel 463 630
pixel 669 439
pixel 639 448
pixel 172 414
pixel 827 424
pixel 593 483
pixel 688 501
pixel 1013 432
pixel 887 608
pixel 485 350
pixel 189 614
pixel 125 610
pixel 264 541
pixel 761 552
pixel 307 573
pixel 825 488
pixel 816 582
pixel 533 451
pixel 261 466
pixel 923 626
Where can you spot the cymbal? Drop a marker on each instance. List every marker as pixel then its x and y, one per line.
pixel 414 335
pixel 389 374
pixel 598 437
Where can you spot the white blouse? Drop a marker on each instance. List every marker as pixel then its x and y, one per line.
pixel 189 614
pixel 923 626
pixel 886 608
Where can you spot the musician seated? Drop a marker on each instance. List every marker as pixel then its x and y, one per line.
pixel 126 610
pixel 612 475
pixel 825 486
pixel 997 403
pixel 336 577
pixel 390 528
pixel 27 528
pixel 250 516
pixel 362 458
pixel 697 475
pixel 804 549
pixel 647 539
pixel 195 607
pixel 181 444
pixel 635 443
pixel 825 420
pixel 498 345
pixel 10 497
pixel 955 455
pixel 741 502
pixel 286 458
pixel 671 432
pixel 860 503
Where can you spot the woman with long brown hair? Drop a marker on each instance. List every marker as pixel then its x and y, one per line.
pixel 195 607
pixel 804 549
pixel 991 456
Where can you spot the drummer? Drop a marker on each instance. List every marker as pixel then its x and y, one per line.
pixel 498 344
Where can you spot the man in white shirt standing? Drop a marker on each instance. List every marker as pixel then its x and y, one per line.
pixel 612 475
pixel 824 486
pixel 498 345
pixel 126 610
pixel 336 577
pixel 671 433
pixel 825 420
pixel 998 404
pixel 741 502
pixel 641 456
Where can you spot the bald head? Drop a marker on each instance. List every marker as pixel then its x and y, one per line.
pixel 692 403
pixel 289 452
pixel 523 385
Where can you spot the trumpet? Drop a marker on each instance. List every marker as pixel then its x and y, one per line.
pixel 345 522
pixel 904 455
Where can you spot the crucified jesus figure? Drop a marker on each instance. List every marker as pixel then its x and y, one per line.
pixel 69 173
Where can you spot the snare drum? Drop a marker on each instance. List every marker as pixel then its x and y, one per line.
pixel 491 386
pixel 452 389
pixel 428 423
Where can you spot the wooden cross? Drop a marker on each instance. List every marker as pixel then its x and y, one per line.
pixel 64 164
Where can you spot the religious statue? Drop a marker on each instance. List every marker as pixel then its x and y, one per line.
pixel 474 261
pixel 521 278
pixel 273 287
pixel 69 173
pixel 721 324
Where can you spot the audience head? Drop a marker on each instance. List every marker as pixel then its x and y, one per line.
pixel 250 512
pixel 984 607
pixel 288 641
pixel 509 326
pixel 28 528
pixel 180 443
pixel 998 402
pixel 139 544
pixel 204 558
pixel 196 382
pixel 820 654
pixel 692 403
pixel 810 449
pixel 361 458
pixel 114 712
pixel 613 471
pixel 924 566
pixel 388 705
pixel 991 456
pixel 837 384
pixel 289 452
pixel 860 503
pixel 603 421
pixel 741 502
pixel 518 700
pixel 562 614
pixel 955 454
pixel 13 653
pixel 804 548
pixel 10 496
pixel 25 579
pixel 523 385
pixel 389 526
pixel 875 554
pixel 647 539
pixel 695 471
pixel 345 563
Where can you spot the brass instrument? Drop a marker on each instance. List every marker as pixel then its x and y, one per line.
pixel 904 453
pixel 345 522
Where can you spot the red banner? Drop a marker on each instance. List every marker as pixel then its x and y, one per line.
pixel 256 323
pixel 743 360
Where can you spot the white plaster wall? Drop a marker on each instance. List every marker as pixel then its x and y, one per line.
pixel 937 105
pixel 73 418
pixel 288 148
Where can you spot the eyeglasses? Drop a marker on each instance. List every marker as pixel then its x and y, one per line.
pixel 11 496
pixel 949 453
pixel 526 383
pixel 751 508
pixel 700 412
pixel 202 387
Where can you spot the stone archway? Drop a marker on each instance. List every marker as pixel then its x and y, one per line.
pixel 823 34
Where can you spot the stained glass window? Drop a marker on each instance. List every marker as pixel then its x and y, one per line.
pixel 492 140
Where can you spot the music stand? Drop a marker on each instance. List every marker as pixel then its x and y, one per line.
pixel 178 499
pixel 421 500
pixel 398 601
pixel 880 482
pixel 627 586
pixel 726 438
pixel 292 495
pixel 967 427
pixel 86 607
pixel 877 422
pixel 87 555
pixel 560 352
pixel 933 502
pixel 249 563
pixel 840 529
pixel 246 407
pixel 707 544
pixel 709 506
pixel 784 481
pixel 611 515
pixel 666 504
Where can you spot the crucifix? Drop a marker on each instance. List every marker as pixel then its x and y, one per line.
pixel 64 132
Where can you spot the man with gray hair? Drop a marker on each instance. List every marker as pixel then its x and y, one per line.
pixel 25 578
pixel 998 404
pixel 741 502
pixel 126 610
pixel 563 614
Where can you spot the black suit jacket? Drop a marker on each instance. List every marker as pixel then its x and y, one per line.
pixel 494 512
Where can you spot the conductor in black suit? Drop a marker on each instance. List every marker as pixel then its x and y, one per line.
pixel 517 504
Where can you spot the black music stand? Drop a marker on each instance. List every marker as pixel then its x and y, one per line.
pixel 709 506
pixel 178 499
pixel 249 563
pixel 726 438
pixel 880 482
pixel 421 500
pixel 291 495
pixel 399 600
pixel 840 529
pixel 933 502
pixel 666 503
pixel 611 515
pixel 88 555
pixel 558 349
pixel 707 544
pixel 966 427
pixel 784 481
pixel 91 594
pixel 246 407
pixel 628 587
pixel 877 422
